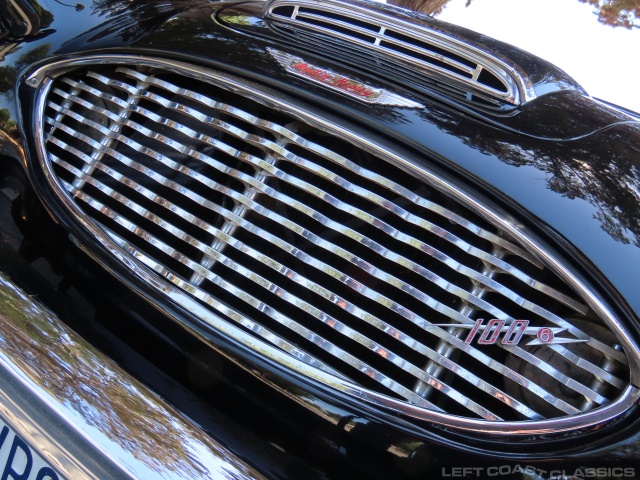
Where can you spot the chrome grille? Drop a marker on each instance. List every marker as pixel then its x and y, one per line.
pixel 343 259
pixel 414 52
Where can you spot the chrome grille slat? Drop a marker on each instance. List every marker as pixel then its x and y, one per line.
pixel 281 269
pixel 271 161
pixel 338 159
pixel 587 365
pixel 379 298
pixel 390 279
pixel 133 228
pixel 332 247
pixel 358 190
pixel 439 281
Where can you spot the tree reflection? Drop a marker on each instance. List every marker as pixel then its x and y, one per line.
pixel 9 73
pixel 430 7
pixel 6 122
pixel 602 171
pixel 46 17
pixel 85 383
pixel 78 6
pixel 615 13
pixel 131 19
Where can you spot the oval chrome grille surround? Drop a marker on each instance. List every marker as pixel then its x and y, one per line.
pixel 257 217
pixel 415 52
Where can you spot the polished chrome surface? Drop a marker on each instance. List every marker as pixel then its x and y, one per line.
pixel 288 263
pixel 85 416
pixel 462 69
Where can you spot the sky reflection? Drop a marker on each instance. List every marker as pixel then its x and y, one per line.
pixel 565 32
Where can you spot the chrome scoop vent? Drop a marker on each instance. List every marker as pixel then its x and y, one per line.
pixel 410 49
pixel 331 255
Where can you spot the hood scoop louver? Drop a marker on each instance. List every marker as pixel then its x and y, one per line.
pixel 407 47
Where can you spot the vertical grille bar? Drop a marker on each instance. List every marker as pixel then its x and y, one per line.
pixel 337 258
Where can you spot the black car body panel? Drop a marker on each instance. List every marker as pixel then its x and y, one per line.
pixel 563 164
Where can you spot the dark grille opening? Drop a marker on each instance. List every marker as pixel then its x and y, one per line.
pixel 490 80
pixel 425 57
pixel 430 48
pixel 328 252
pixel 332 22
pixel 340 30
pixel 284 11
pixel 339 18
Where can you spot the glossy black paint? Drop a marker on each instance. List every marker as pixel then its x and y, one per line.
pixel 20 18
pixel 537 164
pixel 573 178
pixel 543 77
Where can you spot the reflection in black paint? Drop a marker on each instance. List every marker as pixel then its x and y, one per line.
pixel 601 169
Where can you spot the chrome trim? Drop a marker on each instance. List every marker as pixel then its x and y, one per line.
pixel 518 89
pixel 81 178
pixel 243 295
pixel 258 186
pixel 28 25
pixel 593 417
pixel 84 415
pixel 407 76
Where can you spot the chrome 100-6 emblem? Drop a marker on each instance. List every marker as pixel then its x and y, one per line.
pixel 498 331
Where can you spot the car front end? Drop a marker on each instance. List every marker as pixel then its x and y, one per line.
pixel 294 239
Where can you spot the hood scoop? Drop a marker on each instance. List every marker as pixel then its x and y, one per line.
pixel 407 47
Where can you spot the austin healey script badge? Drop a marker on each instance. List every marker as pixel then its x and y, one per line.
pixel 340 83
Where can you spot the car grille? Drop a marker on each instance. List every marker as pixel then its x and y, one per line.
pixel 357 264
pixel 413 52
